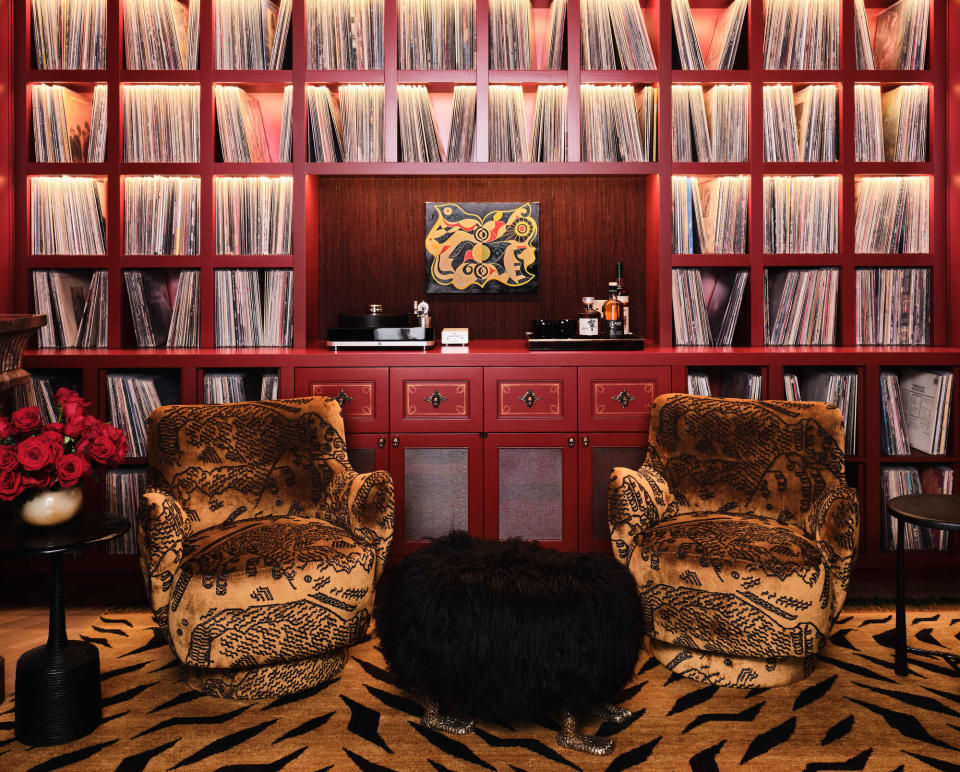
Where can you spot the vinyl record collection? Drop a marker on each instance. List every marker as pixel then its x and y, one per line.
pixel 618 123
pixel 800 215
pixel 710 215
pixel 221 388
pixel 916 411
pixel 254 215
pixel 161 123
pixel 253 308
pixel 419 136
pixel 359 137
pixel 801 35
pixel 548 141
pixel 69 126
pixel 903 480
pixel 69 34
pixel 67 216
pixel 801 125
pixel 706 305
pixel 37 392
pixel 726 37
pixel 613 36
pixel 507 125
pixel 556 55
pixel 837 387
pixel 736 382
pixel 511 41
pixel 800 306
pixel 123 489
pixel 156 322
pixel 711 127
pixel 252 34
pixel 893 306
pixel 344 34
pixel 436 34
pixel 161 34
pixel 286 126
pixel 893 215
pixel 75 304
pixel 240 129
pixel 900 42
pixel 891 125
pixel 132 399
pixel 161 215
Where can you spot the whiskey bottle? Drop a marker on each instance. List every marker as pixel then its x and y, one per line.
pixel 613 313
pixel 588 320
pixel 624 299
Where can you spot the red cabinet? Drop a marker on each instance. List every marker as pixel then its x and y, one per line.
pixel 361 392
pixel 618 399
pixel 499 451
pixel 530 399
pixel 436 399
pixel 599 454
pixel 438 485
pixel 530 488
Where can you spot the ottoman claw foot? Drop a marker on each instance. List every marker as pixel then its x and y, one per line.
pixel 571 739
pixel 434 719
pixel 609 712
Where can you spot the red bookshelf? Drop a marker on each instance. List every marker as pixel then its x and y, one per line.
pixel 317 189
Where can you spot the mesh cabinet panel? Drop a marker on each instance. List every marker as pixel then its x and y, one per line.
pixel 435 499
pixel 531 493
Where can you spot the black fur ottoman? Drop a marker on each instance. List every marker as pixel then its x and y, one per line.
pixel 510 631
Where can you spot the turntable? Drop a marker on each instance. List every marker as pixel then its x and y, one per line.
pixel 378 329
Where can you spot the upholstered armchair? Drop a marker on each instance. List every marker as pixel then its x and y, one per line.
pixel 259 544
pixel 741 533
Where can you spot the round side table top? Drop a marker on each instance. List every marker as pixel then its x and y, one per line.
pixel 934 510
pixel 19 539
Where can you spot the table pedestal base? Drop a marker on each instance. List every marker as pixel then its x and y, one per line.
pixel 57 693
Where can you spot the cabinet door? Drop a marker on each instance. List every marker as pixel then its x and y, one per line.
pixel 436 399
pixel 360 391
pixel 618 399
pixel 531 488
pixel 438 482
pixel 599 454
pixel 530 399
pixel 368 452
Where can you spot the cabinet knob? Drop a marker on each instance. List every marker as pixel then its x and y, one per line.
pixel 571 442
pixel 624 398
pixel 395 442
pixel 342 398
pixel 529 399
pixel 586 441
pixel 381 442
pixel 435 399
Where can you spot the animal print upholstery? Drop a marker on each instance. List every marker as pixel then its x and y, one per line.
pixel 741 533
pixel 259 544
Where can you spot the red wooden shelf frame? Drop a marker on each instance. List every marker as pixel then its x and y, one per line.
pixel 944 161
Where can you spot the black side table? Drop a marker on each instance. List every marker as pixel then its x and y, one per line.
pixel 58 683
pixel 932 510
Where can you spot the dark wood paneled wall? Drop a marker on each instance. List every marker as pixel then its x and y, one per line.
pixel 371 233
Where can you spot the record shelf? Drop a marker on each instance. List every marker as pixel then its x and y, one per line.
pixel 327 280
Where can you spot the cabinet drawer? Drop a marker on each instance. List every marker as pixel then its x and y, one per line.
pixel 529 399
pixel 361 393
pixel 618 399
pixel 436 399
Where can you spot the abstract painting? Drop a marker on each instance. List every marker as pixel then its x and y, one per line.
pixel 482 247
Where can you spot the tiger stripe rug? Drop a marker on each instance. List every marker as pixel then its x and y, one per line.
pixel 853 713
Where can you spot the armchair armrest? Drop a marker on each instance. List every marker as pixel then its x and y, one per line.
pixel 363 505
pixel 833 522
pixel 638 499
pixel 163 524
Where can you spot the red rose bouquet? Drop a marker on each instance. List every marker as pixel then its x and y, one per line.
pixel 34 455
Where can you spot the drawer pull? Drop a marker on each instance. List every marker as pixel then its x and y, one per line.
pixel 435 399
pixel 529 399
pixel 624 398
pixel 342 398
pixel 395 442
pixel 381 442
pixel 571 442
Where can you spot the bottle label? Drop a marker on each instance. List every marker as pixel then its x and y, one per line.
pixel 589 326
pixel 615 328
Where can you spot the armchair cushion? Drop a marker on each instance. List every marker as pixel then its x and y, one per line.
pixel 734 584
pixel 275 589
